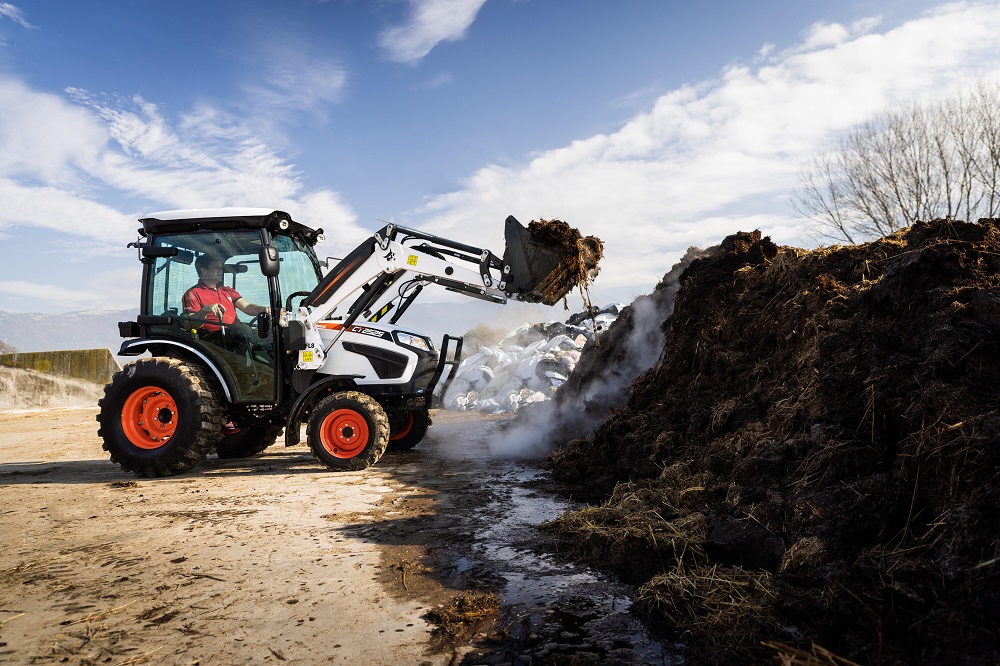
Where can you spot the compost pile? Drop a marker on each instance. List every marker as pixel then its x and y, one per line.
pixel 810 469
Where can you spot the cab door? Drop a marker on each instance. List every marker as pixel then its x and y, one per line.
pixel 245 360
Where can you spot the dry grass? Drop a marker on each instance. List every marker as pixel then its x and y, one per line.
pixel 786 655
pixel 464 616
pixel 626 524
pixel 716 602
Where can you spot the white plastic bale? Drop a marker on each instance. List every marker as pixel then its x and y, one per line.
pixel 479 376
pixel 472 361
pixel 501 379
pixel 525 366
pixel 513 386
pixel 561 342
pixel 537 383
pixel 489 406
pixel 489 355
pixel 535 347
pixel 459 386
pixel 604 321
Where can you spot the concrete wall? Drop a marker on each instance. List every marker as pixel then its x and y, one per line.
pixel 92 365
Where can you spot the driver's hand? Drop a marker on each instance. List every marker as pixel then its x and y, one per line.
pixel 219 311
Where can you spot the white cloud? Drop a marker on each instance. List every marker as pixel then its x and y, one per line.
pixel 13 13
pixel 44 137
pixel 289 80
pixel 430 23
pixel 61 209
pixel 723 155
pixel 59 159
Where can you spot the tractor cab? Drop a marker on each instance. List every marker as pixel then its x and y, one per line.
pixel 265 258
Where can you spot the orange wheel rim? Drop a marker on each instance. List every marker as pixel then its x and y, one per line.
pixel 344 433
pixel 149 417
pixel 405 430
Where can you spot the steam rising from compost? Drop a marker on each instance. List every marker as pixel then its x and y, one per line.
pixel 600 382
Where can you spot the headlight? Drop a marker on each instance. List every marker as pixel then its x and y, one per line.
pixel 414 341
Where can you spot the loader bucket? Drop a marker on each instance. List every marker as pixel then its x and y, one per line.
pixel 548 259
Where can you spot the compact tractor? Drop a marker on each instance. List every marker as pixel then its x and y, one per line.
pixel 323 351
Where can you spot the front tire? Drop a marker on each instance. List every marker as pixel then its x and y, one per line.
pixel 159 416
pixel 239 442
pixel 408 428
pixel 348 431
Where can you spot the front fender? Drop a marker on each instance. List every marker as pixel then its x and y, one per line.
pixel 310 397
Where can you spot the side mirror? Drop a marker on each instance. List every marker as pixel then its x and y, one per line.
pixel 269 264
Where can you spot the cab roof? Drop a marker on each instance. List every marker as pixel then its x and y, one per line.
pixel 220 219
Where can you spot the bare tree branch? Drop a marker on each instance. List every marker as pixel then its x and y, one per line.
pixel 919 162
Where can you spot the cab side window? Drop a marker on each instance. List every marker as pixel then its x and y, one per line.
pixel 172 276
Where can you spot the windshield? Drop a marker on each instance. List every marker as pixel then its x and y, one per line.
pixel 299 268
pixel 241 271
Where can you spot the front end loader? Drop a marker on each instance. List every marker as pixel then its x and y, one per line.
pixel 304 349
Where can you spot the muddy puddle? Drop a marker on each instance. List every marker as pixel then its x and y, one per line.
pixel 489 511
pixel 551 609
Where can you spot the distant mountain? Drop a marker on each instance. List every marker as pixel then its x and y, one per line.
pixel 87 329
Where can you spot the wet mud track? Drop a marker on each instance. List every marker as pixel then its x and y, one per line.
pixel 484 536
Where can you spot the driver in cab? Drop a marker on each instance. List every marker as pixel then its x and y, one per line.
pixel 213 303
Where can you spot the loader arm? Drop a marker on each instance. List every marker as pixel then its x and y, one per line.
pixel 391 250
pixel 392 255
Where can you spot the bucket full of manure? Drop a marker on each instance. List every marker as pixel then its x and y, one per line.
pixel 547 259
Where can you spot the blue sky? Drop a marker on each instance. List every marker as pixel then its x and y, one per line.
pixel 655 125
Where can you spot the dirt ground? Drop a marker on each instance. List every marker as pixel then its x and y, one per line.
pixel 275 559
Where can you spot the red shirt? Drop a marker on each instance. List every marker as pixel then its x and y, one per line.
pixel 199 296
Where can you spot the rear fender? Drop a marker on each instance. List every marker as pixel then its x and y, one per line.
pixel 171 348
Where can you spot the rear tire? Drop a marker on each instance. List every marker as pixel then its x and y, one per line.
pixel 246 442
pixel 159 416
pixel 348 431
pixel 408 428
